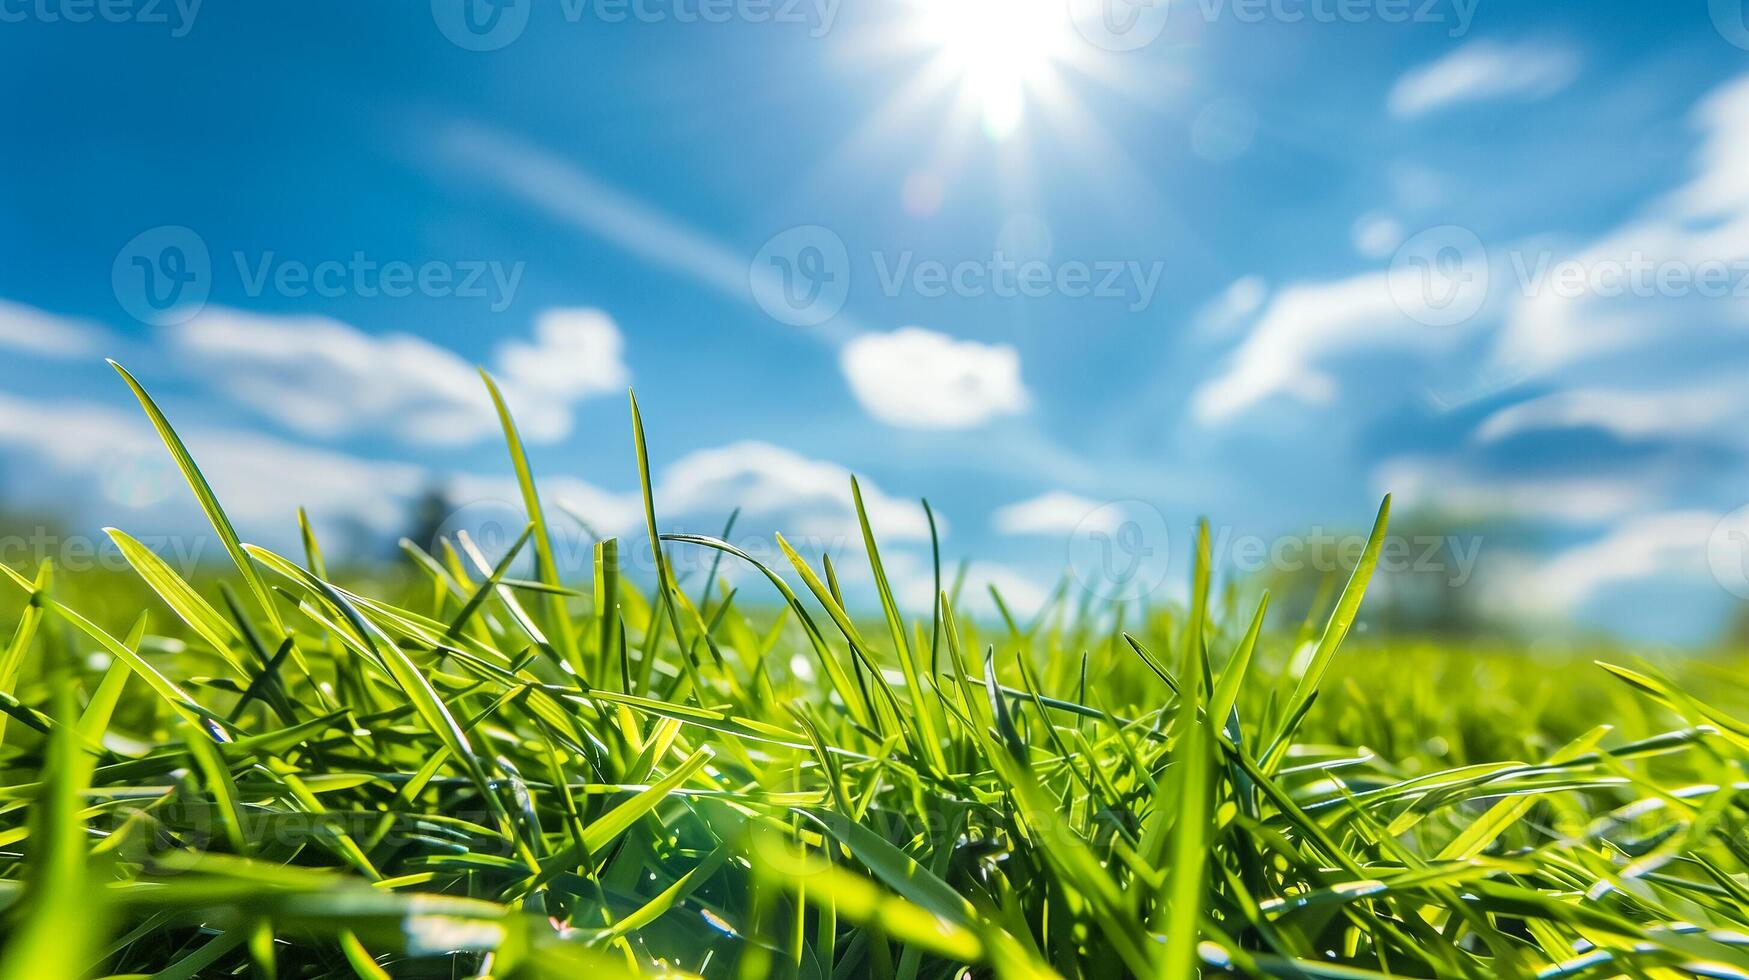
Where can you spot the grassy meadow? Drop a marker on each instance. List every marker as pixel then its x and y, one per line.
pixel 269 773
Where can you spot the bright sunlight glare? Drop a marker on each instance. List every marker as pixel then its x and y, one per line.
pixel 999 49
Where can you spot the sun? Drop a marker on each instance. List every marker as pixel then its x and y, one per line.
pixel 1000 51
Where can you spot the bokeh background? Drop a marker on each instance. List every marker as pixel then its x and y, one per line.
pixel 1078 271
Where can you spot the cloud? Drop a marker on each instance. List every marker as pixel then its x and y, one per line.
pixel 811 497
pixel 33 331
pixel 920 379
pixel 263 478
pixel 606 513
pixel 262 481
pixel 1303 324
pixel 1376 235
pixel 914 587
pixel 1647 278
pixel 1460 492
pixel 912 378
pixel 324 378
pixel 1242 297
pixel 1482 71
pixel 575 354
pixel 1669 544
pixel 1628 415
pixel 259 479
pixel 69 435
pixel 1057 512
pixel 75 447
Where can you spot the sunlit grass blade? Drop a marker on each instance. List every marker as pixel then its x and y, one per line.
pixel 180 597
pixel 546 566
pixel 203 492
pixel 1335 630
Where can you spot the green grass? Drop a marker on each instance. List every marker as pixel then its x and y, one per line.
pixel 270 773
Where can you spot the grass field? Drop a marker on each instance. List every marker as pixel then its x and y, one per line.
pixel 271 774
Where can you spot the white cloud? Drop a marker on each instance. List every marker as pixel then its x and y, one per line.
pixel 1242 297
pixel 607 513
pixel 1667 544
pixel 265 480
pixel 76 447
pixel 575 354
pixel 810 497
pixel 1721 185
pixel 325 378
pixel 1301 325
pixel 1376 235
pixel 1057 512
pixel 917 378
pixel 1625 414
pixel 259 480
pixel 69 435
pixel 914 587
pixel 262 479
pixel 1703 225
pixel 1459 492
pixel 1484 70
pixel 44 334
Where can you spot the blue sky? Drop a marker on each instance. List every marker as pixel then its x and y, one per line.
pixel 1266 263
